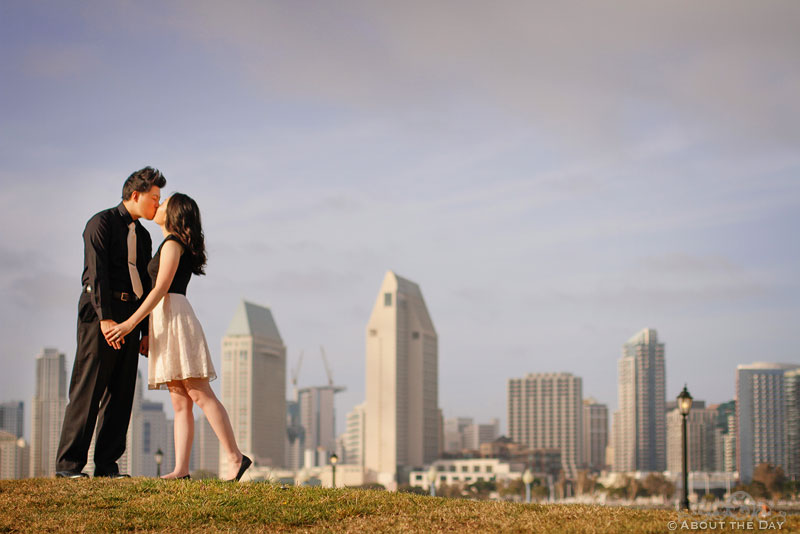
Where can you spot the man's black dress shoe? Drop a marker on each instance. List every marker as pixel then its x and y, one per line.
pixel 246 462
pixel 71 474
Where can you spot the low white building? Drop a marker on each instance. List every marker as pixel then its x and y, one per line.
pixel 14 453
pixel 468 471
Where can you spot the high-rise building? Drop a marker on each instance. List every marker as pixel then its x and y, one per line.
pixel 723 432
pixel 206 446
pixel 454 433
pixel 474 435
pixel 791 382
pixel 545 411
pixel 595 434
pixel 254 385
pixel 761 416
pixel 641 440
pixel 12 417
pixel 318 419
pixel 49 404
pixel 354 437
pixel 700 438
pixel 151 432
pixel 402 405
pixel 14 456
pixel 729 442
pixel 295 435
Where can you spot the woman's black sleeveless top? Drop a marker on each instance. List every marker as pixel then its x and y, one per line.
pixel 182 275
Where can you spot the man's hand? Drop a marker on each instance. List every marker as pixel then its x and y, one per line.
pixel 144 346
pixel 105 327
pixel 117 332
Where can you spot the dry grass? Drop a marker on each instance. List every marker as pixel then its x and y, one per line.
pixel 147 505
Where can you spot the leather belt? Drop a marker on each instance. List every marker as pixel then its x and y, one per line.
pixel 118 295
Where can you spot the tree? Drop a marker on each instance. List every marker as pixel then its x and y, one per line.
pixel 482 488
pixel 453 491
pixel 585 482
pixel 771 477
pixel 514 487
pixel 657 484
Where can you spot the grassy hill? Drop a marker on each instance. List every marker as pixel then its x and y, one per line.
pixel 148 505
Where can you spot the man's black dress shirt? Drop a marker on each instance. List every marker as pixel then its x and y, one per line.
pixel 105 259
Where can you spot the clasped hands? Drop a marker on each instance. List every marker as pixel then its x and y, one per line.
pixel 115 333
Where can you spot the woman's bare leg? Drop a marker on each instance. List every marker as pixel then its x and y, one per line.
pixel 184 428
pixel 201 393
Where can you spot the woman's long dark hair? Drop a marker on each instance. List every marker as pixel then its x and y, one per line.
pixel 183 220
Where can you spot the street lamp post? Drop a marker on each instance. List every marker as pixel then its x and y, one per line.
pixel 527 478
pixel 334 460
pixel 159 456
pixel 684 405
pixel 432 474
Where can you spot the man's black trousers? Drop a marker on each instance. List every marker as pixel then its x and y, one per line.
pixel 100 392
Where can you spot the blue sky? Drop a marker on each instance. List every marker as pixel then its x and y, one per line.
pixel 555 177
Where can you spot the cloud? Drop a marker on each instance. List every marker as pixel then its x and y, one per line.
pixel 596 73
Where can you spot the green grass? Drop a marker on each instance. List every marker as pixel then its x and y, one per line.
pixel 148 505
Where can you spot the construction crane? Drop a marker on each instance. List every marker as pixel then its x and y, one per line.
pixel 327 367
pixel 295 373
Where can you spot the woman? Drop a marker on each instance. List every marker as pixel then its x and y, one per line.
pixel 179 359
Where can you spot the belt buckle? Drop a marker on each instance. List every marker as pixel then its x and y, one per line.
pixel 124 297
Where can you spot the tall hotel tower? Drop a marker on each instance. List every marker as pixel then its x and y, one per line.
pixel 254 385
pixel 640 425
pixel 761 416
pixel 545 411
pixel 402 409
pixel 49 405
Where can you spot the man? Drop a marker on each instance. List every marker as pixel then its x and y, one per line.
pixel 117 249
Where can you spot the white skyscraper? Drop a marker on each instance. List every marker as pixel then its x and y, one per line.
pixel 640 442
pixel 47 414
pixel 254 385
pixel 402 405
pixel 761 416
pixel 354 436
pixel 545 411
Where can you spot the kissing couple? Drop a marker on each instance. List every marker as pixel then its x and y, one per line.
pixel 133 304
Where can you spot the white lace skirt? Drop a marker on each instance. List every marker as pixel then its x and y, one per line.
pixel 178 347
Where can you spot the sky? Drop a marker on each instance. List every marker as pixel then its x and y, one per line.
pixel 555 177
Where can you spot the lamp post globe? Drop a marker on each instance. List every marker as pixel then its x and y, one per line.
pixel 334 460
pixel 527 479
pixel 432 474
pixel 684 406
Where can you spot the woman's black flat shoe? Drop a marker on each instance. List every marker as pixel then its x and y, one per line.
pixel 185 477
pixel 246 462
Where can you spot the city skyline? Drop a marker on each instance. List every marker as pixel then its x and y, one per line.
pixel 545 177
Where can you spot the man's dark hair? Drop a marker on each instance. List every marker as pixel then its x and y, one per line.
pixel 141 181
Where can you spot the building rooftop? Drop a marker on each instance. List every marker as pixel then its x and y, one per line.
pixel 253 320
